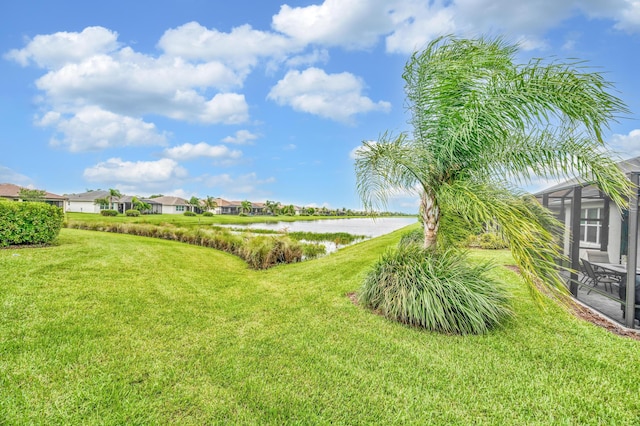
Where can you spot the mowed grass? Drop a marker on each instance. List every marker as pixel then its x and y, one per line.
pixel 117 329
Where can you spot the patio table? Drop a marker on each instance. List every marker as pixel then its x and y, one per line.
pixel 615 269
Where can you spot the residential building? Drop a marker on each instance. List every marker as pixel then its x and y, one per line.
pixel 12 192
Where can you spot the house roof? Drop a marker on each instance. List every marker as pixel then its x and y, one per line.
pixel 9 190
pixel 89 195
pixel 170 201
pixel 564 188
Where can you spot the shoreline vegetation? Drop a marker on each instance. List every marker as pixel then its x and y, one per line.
pixel 114 329
pixel 260 248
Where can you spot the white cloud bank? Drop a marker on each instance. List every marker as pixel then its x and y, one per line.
pixel 189 151
pixel 142 173
pixel 199 72
pixel 627 146
pixel 93 128
pixel 241 137
pixel 334 96
pixel 243 186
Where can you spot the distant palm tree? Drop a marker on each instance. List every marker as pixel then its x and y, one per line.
pixel 289 210
pixel 480 120
pixel 113 194
pixel 210 203
pixel 103 201
pixel 245 207
pixel 272 207
pixel 140 205
pixel 195 204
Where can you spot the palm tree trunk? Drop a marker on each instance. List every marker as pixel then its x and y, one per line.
pixel 430 218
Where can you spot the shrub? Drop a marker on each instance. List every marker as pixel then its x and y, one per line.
pixel 29 223
pixel 132 212
pixel 207 214
pixel 262 252
pixel 415 236
pixel 188 213
pixel 440 291
pixel 491 240
pixel 313 250
pixel 108 212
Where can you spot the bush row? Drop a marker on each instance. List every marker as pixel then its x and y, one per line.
pixel 29 223
pixel 259 252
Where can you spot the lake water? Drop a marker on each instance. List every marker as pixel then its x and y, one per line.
pixel 355 226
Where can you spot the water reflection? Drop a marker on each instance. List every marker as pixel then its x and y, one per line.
pixel 357 226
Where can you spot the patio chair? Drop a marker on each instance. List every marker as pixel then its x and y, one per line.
pixel 601 257
pixel 598 256
pixel 596 278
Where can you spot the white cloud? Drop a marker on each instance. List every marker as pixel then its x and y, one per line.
pixel 353 154
pixel 241 48
pixel 627 146
pixel 189 151
pixel 8 175
pixel 226 108
pixel 289 147
pixel 349 23
pixel 241 137
pixel 55 50
pixel 408 25
pixel 92 128
pixel 138 173
pixel 418 22
pixel 316 56
pixel 334 96
pixel 238 187
pixel 134 84
pixel 628 16
pixel 90 69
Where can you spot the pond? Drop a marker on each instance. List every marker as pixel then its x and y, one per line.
pixel 356 226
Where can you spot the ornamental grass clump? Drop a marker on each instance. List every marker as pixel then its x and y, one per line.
pixel 262 252
pixel 439 291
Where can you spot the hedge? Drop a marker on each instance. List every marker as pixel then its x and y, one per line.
pixel 29 223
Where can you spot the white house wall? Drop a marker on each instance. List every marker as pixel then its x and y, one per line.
pixel 83 207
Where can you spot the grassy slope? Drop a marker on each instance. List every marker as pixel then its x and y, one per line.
pixel 121 329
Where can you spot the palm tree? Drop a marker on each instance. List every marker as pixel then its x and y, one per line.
pixel 140 205
pixel 289 210
pixel 210 203
pixel 272 207
pixel 195 204
pixel 245 207
pixel 481 121
pixel 102 201
pixel 113 194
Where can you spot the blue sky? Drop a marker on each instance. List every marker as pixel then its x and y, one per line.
pixel 253 99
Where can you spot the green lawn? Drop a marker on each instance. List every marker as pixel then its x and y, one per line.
pixel 117 329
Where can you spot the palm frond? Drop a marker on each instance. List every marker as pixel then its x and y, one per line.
pixel 387 166
pixel 528 227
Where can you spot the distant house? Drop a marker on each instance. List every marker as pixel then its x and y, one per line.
pixel 235 207
pixel 228 207
pixel 126 203
pixel 85 202
pixel 12 192
pixel 172 205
